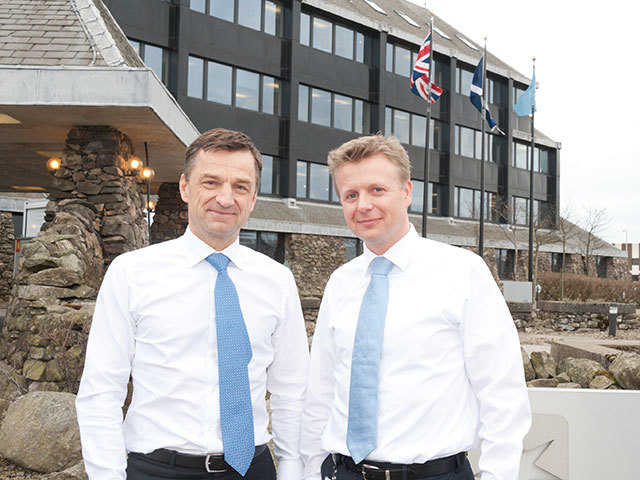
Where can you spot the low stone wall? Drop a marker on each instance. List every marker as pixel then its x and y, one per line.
pixel 7 242
pixel 568 317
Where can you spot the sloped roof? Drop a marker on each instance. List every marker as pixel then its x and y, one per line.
pixel 274 215
pixel 62 33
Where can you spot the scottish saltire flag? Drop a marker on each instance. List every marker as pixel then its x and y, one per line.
pixel 420 74
pixel 528 99
pixel 476 97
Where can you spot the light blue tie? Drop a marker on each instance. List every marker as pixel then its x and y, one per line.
pixel 234 354
pixel 362 429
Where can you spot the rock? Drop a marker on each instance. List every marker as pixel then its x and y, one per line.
pixel 40 432
pixel 37 292
pixel 543 364
pixel 56 277
pixel 580 370
pixel 601 382
pixel 626 370
pixel 529 372
pixel 543 382
pixel 569 385
pixel 34 369
pixel 563 377
pixel 73 473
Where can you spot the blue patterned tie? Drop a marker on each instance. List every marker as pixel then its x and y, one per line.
pixel 234 354
pixel 362 430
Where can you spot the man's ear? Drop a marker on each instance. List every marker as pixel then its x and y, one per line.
pixel 183 189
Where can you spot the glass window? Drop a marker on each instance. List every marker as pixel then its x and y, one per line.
pixel 520 152
pixel 417 196
pixel 467 142
pixel 359 47
pixel 342 112
pixel 419 130
pixel 270 95
pixel 544 160
pixel 344 41
pixel 219 83
pixel 389 66
pixel 221 9
pixel 270 180
pixel 135 45
pixel 305 22
pixel 353 246
pixel 249 239
pixel 478 137
pixel 198 5
pixel 465 203
pixel 301 179
pixel 318 182
pixel 516 94
pixel 388 128
pixel 403 61
pixel 434 193
pixel 358 125
pixel 463 81
pixel 266 180
pixel 322 36
pixel 195 77
pixel 401 125
pixel 520 210
pixel 320 107
pixel 155 58
pixel 272 17
pixel 247 89
pixel 303 103
pixel 249 13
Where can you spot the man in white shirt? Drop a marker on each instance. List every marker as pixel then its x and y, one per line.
pixel 157 320
pixel 446 369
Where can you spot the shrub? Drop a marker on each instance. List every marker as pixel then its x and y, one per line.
pixel 583 289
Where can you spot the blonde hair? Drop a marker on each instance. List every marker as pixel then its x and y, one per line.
pixel 364 147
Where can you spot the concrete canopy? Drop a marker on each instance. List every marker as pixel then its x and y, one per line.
pixel 49 101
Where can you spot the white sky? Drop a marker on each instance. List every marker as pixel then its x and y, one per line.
pixel 587 69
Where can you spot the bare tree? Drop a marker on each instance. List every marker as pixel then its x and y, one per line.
pixel 595 222
pixel 510 228
pixel 567 229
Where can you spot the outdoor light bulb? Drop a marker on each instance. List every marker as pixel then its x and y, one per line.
pixel 147 173
pixel 151 206
pixel 53 164
pixel 135 163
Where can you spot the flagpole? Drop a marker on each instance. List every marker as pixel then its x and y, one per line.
pixel 531 219
pixel 483 120
pixel 425 190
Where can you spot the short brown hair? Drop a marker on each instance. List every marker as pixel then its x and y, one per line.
pixel 363 147
pixel 225 140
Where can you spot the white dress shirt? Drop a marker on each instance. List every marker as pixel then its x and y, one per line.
pixel 450 371
pixel 155 320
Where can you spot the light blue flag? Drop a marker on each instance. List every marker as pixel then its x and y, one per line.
pixel 527 99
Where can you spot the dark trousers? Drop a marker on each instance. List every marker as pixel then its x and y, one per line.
pixel 140 467
pixel 463 472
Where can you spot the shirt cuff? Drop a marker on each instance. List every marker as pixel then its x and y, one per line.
pixel 289 469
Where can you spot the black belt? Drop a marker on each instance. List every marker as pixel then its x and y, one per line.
pixel 212 463
pixel 391 471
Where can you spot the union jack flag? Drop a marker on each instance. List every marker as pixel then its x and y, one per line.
pixel 420 74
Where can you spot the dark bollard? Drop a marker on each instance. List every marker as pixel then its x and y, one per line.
pixel 613 319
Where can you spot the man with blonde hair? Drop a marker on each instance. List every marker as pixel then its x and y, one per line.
pixel 415 356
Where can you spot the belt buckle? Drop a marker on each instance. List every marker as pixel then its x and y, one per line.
pixel 206 465
pixel 387 473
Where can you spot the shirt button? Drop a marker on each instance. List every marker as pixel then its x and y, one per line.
pixel 214 354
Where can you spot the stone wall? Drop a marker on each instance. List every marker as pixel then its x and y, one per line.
pixel 171 218
pixel 95 213
pixel 568 317
pixel 618 268
pixel 7 244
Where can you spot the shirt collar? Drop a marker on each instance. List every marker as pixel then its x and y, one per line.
pixel 196 250
pixel 400 252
